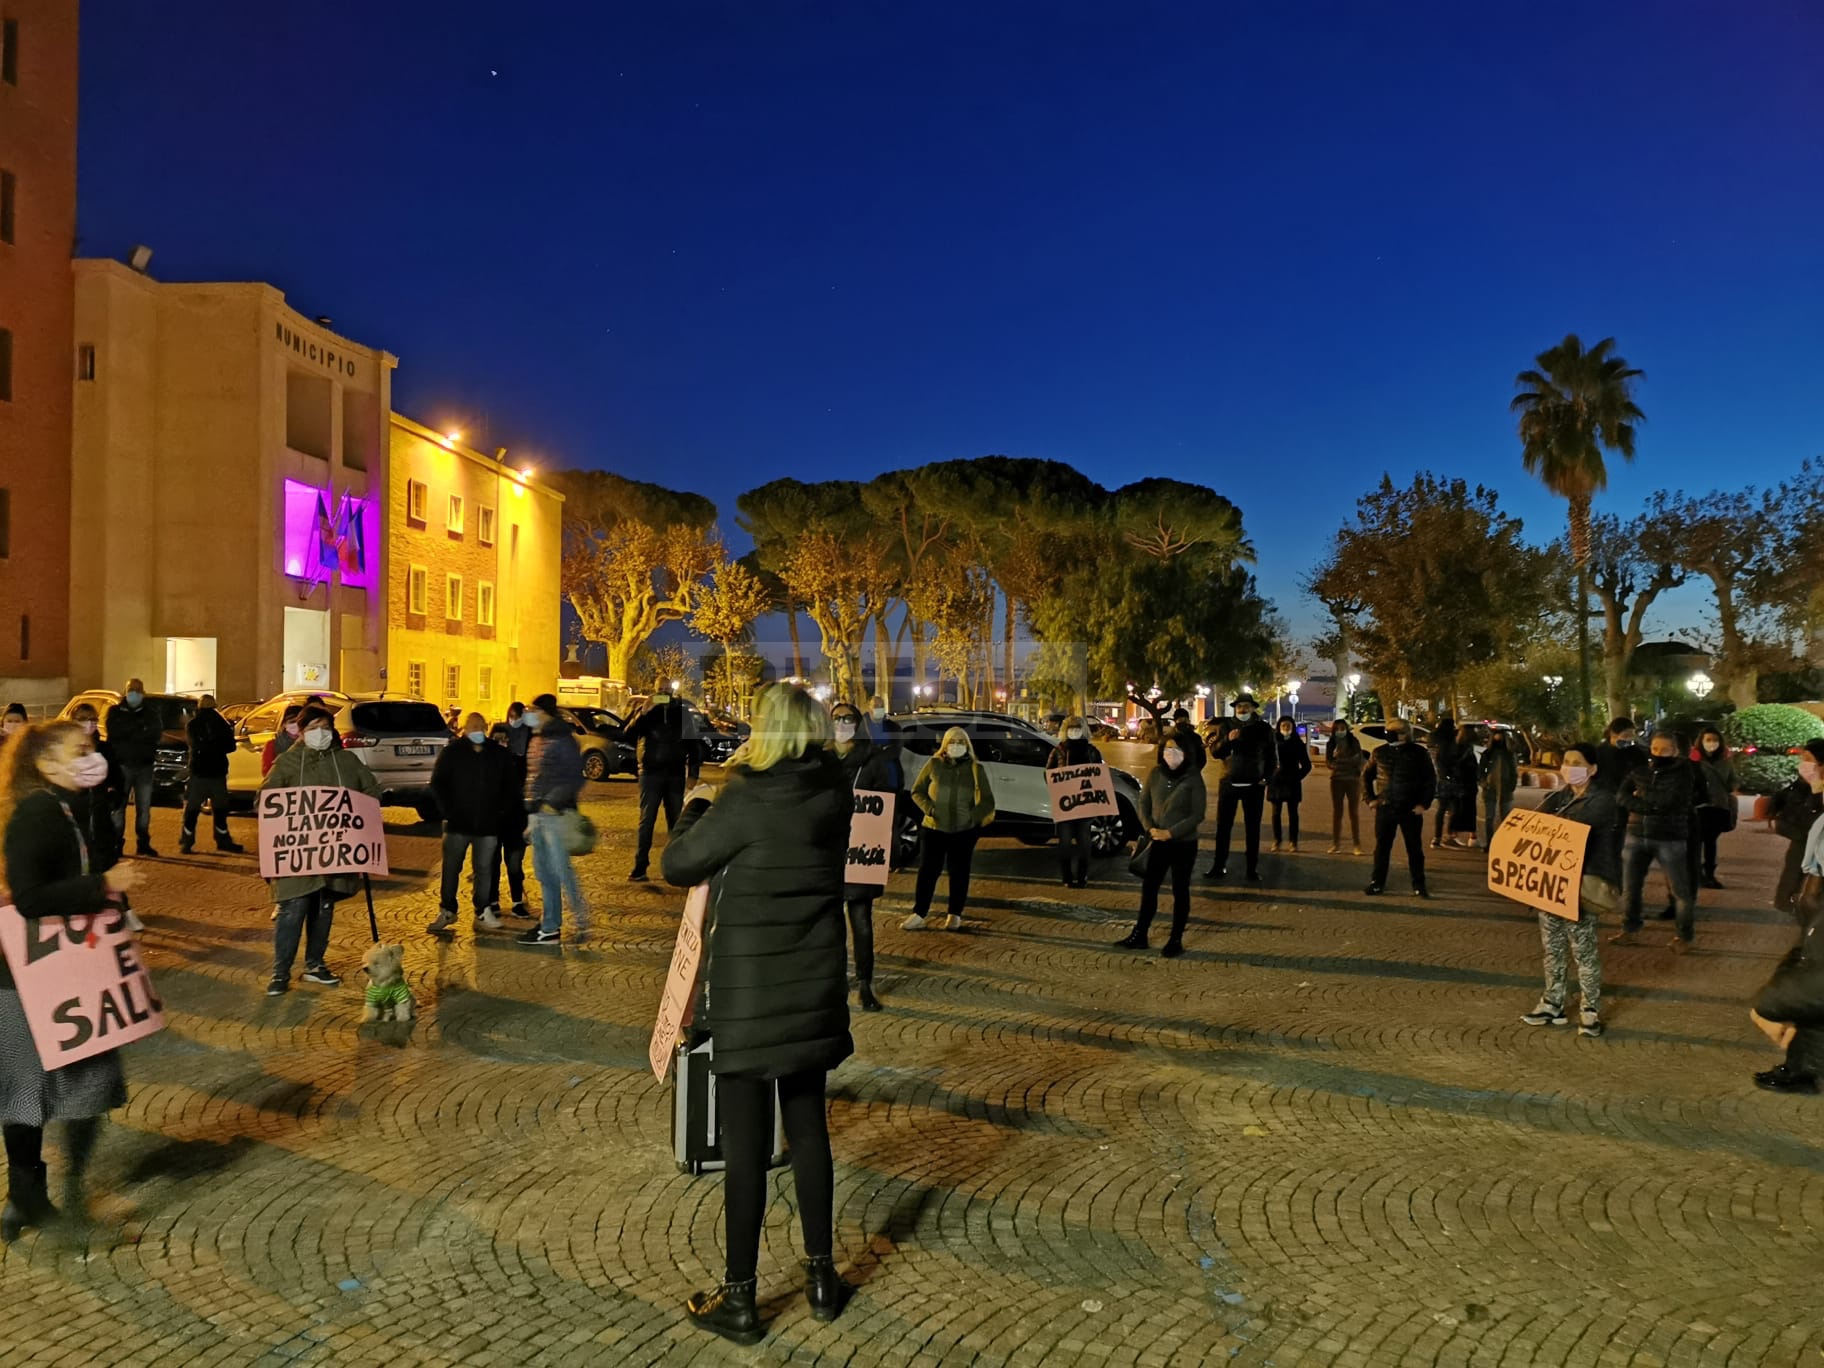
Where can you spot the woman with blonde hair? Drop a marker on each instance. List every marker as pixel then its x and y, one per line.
pixel 1075 849
pixel 773 847
pixel 954 794
pixel 48 873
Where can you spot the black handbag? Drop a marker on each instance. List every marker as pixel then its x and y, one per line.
pixel 1143 855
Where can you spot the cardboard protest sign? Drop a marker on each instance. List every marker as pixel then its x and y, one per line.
pixel 679 1003
pixel 1080 791
pixel 1537 859
pixel 870 838
pixel 325 830
pixel 82 983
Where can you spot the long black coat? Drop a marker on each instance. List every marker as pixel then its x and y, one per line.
pixel 773 846
pixel 1294 762
pixel 44 863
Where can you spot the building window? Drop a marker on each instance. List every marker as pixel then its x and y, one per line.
pixel 452 598
pixel 484 525
pixel 484 683
pixel 416 496
pixel 6 523
pixel 309 401
pixel 9 52
pixel 455 520
pixel 452 681
pixel 85 361
pixel 6 366
pixel 414 590
pixel 9 194
pixel 414 679
pixel 484 604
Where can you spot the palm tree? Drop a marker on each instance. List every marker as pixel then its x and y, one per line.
pixel 1576 405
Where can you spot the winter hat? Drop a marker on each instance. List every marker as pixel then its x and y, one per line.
pixel 1246 698
pixel 546 704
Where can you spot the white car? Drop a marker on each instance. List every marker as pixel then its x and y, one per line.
pixel 1013 754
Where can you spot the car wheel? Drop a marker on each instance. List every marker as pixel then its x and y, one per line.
pixel 595 765
pixel 906 838
pixel 1108 835
pixel 1033 838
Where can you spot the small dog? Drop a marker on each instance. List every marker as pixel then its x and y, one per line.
pixel 387 996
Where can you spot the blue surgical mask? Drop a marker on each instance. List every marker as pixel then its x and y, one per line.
pixel 479 738
pixel 134 698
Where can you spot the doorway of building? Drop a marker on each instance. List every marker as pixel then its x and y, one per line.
pixel 306 648
pixel 189 665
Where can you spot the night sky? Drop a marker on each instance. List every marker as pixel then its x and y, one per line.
pixel 1275 248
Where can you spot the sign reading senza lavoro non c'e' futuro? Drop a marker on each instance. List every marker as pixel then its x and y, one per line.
pixel 320 830
pixel 1080 791
pixel 82 983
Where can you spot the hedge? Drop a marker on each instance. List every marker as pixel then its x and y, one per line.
pixel 1762 737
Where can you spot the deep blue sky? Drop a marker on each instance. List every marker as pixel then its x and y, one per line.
pixel 1277 248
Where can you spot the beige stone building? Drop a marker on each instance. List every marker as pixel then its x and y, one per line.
pixel 473 591
pixel 228 477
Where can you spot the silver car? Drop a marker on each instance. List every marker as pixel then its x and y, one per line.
pixel 399 738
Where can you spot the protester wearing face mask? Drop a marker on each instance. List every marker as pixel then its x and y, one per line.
pixel 476 788
pixel 1196 754
pixel 1075 849
pixel 1618 756
pixel 134 731
pixel 1660 800
pixel 1400 784
pixel 211 743
pixel 1172 808
pixel 307 902
pixel 1447 746
pixel 1497 776
pixel 1249 754
pixel 671 753
pixel 954 794
pixel 511 852
pixel 1345 759
pixel 283 739
pixel 1716 814
pixel 94 808
pixel 865 766
pixel 1286 789
pixel 554 783
pixel 1795 808
pixel 1579 801
pixel 49 873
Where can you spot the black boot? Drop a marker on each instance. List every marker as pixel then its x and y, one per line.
pixel 1133 940
pixel 824 1288
pixel 861 932
pixel 864 991
pixel 28 1201
pixel 728 1311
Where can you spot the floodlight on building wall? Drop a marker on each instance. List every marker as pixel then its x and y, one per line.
pixel 140 257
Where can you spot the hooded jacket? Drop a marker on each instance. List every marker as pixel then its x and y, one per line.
pixel 302 767
pixel 1401 777
pixel 1660 799
pixel 772 847
pixel 1251 756
pixel 1292 763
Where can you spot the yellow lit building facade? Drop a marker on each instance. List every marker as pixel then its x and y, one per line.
pixel 473 593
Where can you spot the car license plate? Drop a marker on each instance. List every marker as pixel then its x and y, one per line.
pixel 411 750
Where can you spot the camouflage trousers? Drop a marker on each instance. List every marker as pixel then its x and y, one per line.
pixel 1562 939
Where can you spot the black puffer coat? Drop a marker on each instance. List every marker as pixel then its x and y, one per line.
pixel 773 846
pixel 867 767
pixel 1401 776
pixel 1251 756
pixel 1660 799
pixel 1795 808
pixel 1795 995
pixel 1294 762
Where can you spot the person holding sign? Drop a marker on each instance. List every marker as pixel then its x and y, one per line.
pixel 1172 807
pixel 49 874
pixel 954 794
pixel 307 902
pixel 772 846
pixel 1074 848
pixel 1581 801
pixel 868 770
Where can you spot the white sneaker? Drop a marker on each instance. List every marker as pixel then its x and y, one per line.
pixel 913 923
pixel 489 920
pixel 953 923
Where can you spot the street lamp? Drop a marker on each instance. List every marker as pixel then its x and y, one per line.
pixel 1700 685
pixel 1552 681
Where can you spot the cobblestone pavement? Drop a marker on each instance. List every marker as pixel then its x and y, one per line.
pixel 1321 1137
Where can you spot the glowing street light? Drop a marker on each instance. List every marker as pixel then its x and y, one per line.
pixel 1355 682
pixel 451 438
pixel 1700 685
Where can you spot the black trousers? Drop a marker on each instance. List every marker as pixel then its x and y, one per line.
pixel 1252 799
pixel 941 852
pixel 861 935
pixel 1410 825
pixel 1074 848
pixel 1712 822
pixel 214 791
pixel 1291 807
pixel 1792 872
pixel 481 853
pixel 1177 859
pixel 656 790
pixel 746 1105
pixel 511 851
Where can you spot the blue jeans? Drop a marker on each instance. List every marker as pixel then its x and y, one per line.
pixel 136 782
pixel 1673 857
pixel 556 875
pixel 308 918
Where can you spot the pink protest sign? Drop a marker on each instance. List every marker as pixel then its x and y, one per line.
pixel 82 983
pixel 1080 791
pixel 680 1001
pixel 870 838
pixel 325 830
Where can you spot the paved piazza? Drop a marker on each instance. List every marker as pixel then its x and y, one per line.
pixel 1321 1137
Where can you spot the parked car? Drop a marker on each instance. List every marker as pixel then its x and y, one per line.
pixel 171 764
pixel 254 725
pixel 1013 753
pixel 602 737
pixel 397 736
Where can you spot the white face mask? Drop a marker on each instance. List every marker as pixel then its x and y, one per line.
pixel 1074 734
pixel 845 731
pixel 90 770
pixel 479 738
pixel 319 738
pixel 956 751
pixel 879 714
pixel 1173 758
pixel 1244 716
pixel 1575 775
